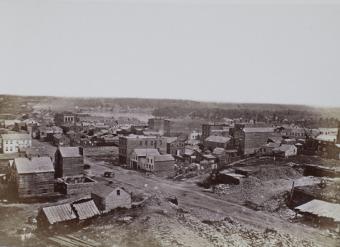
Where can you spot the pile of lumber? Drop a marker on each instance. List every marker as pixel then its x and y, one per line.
pixel 72 241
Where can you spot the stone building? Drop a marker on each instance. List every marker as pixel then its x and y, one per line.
pixel 127 144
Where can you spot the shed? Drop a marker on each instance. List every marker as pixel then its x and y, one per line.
pixel 55 214
pixel 108 198
pixel 85 210
pixel 321 211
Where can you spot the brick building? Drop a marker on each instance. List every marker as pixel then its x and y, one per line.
pixel 65 118
pixel 160 125
pixel 248 140
pixel 127 144
pixel 209 129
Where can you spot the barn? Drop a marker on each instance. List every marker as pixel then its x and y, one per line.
pixel 33 177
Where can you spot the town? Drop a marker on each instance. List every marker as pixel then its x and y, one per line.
pixel 80 178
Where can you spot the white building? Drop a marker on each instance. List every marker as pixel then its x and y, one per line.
pixel 195 135
pixel 11 143
pixel 138 156
pixel 286 150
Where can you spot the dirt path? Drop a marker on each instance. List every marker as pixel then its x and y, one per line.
pixel 205 205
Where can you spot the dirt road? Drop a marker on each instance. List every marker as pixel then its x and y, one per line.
pixel 206 205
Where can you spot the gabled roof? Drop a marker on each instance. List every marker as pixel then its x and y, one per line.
pixel 327 138
pixel 321 209
pixel 219 139
pixel 285 147
pixel 171 139
pixel 275 139
pixel 69 152
pixel 16 136
pixel 209 156
pixel 271 145
pixel 86 210
pixel 143 152
pixel 103 191
pixel 164 157
pixel 59 213
pixel 35 165
pixel 218 151
pixel 258 129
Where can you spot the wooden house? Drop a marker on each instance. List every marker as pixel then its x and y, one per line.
pixel 108 198
pixel 33 177
pixel 69 161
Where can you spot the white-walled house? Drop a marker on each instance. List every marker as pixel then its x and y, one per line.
pixel 11 143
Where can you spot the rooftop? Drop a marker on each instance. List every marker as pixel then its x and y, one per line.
pixel 140 137
pixel 70 152
pixel 327 138
pixel 16 136
pixel 143 152
pixel 219 139
pixel 321 209
pixel 104 190
pixel 35 165
pixel 86 210
pixel 164 157
pixel 59 213
pixel 258 129
pixel 284 147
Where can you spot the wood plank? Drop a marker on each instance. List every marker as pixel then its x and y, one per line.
pixel 87 241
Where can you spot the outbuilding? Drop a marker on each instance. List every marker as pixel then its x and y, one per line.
pixel 108 198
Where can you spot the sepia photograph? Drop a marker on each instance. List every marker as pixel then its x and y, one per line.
pixel 169 123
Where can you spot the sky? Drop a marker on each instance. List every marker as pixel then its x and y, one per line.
pixel 226 51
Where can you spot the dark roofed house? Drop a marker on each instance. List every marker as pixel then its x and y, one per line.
pixel 33 177
pixel 108 198
pixel 69 161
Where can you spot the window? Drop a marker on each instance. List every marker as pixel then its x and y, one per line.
pixel 118 192
pixel 146 143
pixel 28 192
pixel 141 143
pixel 44 191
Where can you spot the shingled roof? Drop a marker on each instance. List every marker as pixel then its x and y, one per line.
pixel 35 165
pixel 69 152
pixel 164 157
